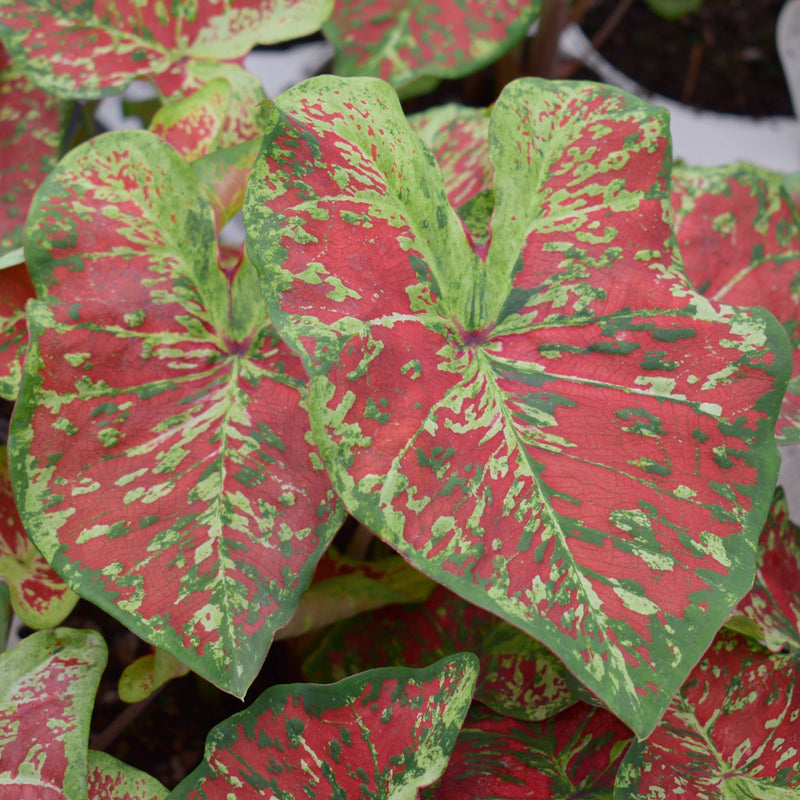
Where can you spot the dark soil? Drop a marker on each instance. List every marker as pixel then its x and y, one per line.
pixel 722 57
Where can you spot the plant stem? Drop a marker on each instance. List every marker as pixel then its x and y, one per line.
pixel 554 17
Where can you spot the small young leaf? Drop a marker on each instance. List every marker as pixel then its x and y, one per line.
pixel 518 676
pixel 382 733
pixel 549 428
pixel 47 688
pixel 729 734
pixel 111 779
pixel 739 237
pixel 161 450
pixel 141 678
pixel 92 49
pixel 39 597
pixel 403 42
pixel 575 754
pixel 343 587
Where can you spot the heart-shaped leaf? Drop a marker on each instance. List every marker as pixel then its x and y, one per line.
pixel 518 676
pixel 31 127
pixel 149 672
pixel 402 42
pixel 39 597
pixel 47 687
pixel 739 237
pixel 111 779
pixel 730 733
pixel 774 601
pixel 382 733
pixel 15 290
pixel 92 49
pixel 562 432
pixel 160 445
pixel 575 754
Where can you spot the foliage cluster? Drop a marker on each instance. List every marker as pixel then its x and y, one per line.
pixel 487 405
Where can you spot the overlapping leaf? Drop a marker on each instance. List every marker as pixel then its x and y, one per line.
pixel 5 614
pixel 739 237
pixel 383 733
pixel 402 42
pixel 160 447
pixel 518 676
pixel 39 597
pixel 149 672
pixel 574 754
pixel 15 290
pixel 93 49
pixel 730 733
pixel 111 779
pixel 774 601
pixel 562 432
pixel 47 687
pixel 30 135
pixel 343 587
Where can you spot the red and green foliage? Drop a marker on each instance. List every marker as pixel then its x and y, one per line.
pixel 512 360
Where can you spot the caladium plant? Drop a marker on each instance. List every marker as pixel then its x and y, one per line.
pixel 481 381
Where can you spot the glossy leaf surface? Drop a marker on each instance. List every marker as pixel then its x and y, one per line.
pixel 92 49
pixel 550 431
pixel 383 733
pixel 739 237
pixel 574 754
pixel 401 41
pixel 30 134
pixel 39 597
pixel 774 601
pixel 730 734
pixel 518 676
pixel 160 446
pixel 47 687
pixel 111 779
pixel 15 290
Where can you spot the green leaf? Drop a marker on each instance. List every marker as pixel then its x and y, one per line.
pixel 674 9
pixel 5 614
pixel 518 676
pixel 47 687
pixel 728 734
pixel 161 452
pixel 149 672
pixel 560 429
pixel 382 733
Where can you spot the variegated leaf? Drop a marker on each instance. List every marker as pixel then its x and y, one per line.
pixel 15 290
pixel 402 42
pixel 91 49
pixel 729 734
pixel 562 431
pixel 343 587
pixel 774 601
pixel 518 676
pixel 149 672
pixel 739 237
pixel 575 754
pixel 160 445
pixel 31 126
pixel 111 779
pixel 240 118
pixel 47 687
pixel 39 597
pixel 382 733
